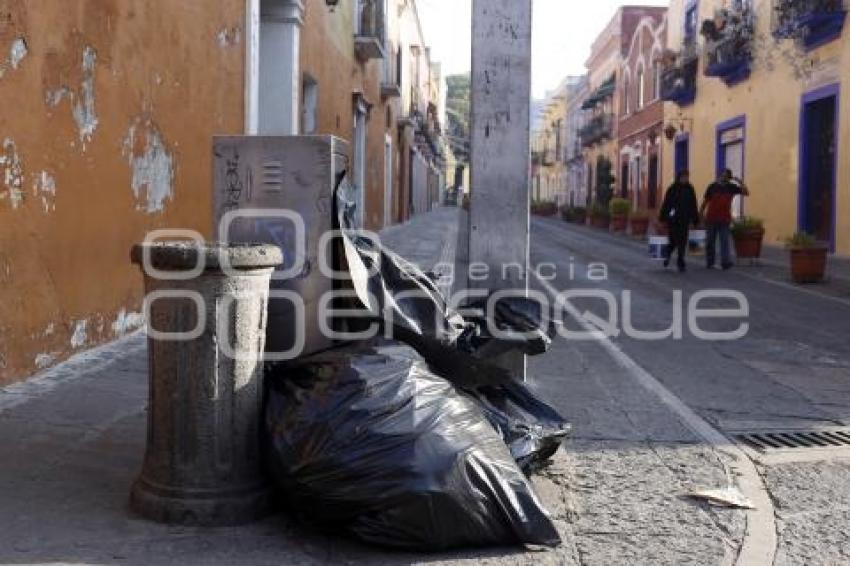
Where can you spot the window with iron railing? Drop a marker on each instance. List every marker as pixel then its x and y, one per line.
pixel 729 41
pixel 678 74
pixel 598 129
pixel 391 80
pixel 370 28
pixel 812 22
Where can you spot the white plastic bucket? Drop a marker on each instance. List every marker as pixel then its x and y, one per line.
pixel 658 247
pixel 696 242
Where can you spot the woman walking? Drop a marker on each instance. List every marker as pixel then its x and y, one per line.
pixel 679 211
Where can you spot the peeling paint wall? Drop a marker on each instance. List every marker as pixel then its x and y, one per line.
pixel 109 107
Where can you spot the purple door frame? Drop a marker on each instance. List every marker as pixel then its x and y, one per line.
pixel 828 91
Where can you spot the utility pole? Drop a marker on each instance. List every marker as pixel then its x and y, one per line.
pixel 500 161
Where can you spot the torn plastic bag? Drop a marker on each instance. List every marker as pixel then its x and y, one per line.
pixel 533 430
pixel 368 440
pixel 406 301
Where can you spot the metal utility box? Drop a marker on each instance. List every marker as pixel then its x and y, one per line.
pixel 279 190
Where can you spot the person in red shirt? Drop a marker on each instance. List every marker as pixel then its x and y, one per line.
pixel 717 211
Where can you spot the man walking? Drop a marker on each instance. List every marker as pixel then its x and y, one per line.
pixel 679 211
pixel 718 204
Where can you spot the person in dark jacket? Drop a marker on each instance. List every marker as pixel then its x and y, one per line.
pixel 679 211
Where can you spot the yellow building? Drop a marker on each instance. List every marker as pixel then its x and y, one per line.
pixel 549 171
pixel 756 87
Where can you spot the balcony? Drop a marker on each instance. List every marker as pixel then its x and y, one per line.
pixel 813 22
pixel 391 81
pixel 729 59
pixel 573 154
pixel 679 77
pixel 729 46
pixel 548 158
pixel 370 35
pixel 599 129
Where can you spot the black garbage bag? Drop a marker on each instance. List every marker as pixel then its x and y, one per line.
pixel 459 348
pixel 368 440
pixel 405 300
pixel 533 430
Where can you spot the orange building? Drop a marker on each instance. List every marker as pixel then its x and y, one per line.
pixel 110 110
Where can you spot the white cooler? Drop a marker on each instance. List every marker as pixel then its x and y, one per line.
pixel 658 247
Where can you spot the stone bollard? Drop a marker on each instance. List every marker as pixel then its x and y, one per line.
pixel 202 462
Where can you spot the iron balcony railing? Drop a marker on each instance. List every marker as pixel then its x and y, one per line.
pixel 574 153
pixel 370 35
pixel 597 130
pixel 811 21
pixel 729 44
pixel 729 57
pixel 679 77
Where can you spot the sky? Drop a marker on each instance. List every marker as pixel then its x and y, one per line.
pixel 562 35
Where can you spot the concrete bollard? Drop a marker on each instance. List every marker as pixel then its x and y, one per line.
pixel 202 462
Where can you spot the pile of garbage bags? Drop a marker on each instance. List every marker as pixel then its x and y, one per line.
pixel 420 442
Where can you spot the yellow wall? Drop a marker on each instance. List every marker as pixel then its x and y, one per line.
pixel 105 133
pixel 770 99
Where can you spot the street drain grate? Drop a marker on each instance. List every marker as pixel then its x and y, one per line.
pixel 770 441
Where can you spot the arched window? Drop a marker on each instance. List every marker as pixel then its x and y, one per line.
pixel 627 106
pixel 656 79
pixel 641 89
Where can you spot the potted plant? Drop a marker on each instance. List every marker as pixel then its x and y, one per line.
pixel 599 217
pixel 619 209
pixel 748 234
pixel 808 258
pixel 544 208
pixel 579 214
pixel 639 221
pixel 567 213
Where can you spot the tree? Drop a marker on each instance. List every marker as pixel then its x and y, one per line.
pixel 457 110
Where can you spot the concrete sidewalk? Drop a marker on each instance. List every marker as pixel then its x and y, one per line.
pixel 73 440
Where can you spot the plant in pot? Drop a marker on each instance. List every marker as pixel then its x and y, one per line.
pixel 620 209
pixel 579 214
pixel 599 217
pixel 748 234
pixel 567 214
pixel 544 208
pixel 639 220
pixel 808 258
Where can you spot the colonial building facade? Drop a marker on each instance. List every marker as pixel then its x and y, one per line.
pixel 116 104
pixel 725 61
pixel 605 104
pixel 641 115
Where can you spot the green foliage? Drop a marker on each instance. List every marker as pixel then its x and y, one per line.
pixel 640 214
pixel 599 211
pixel 457 114
pixel 620 207
pixel 802 240
pixel 746 224
pixel 604 181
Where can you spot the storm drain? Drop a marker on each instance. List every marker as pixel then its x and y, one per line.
pixel 770 441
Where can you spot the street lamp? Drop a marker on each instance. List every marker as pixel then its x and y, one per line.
pixel 332 4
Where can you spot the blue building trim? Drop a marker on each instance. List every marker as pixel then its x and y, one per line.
pixel 720 156
pixel 828 91
pixel 720 153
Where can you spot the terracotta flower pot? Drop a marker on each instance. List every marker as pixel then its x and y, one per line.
pixel 808 265
pixel 619 222
pixel 661 228
pixel 600 221
pixel 640 226
pixel 748 243
pixel 580 217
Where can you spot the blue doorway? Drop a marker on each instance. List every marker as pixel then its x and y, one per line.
pixel 818 163
pixel 682 155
